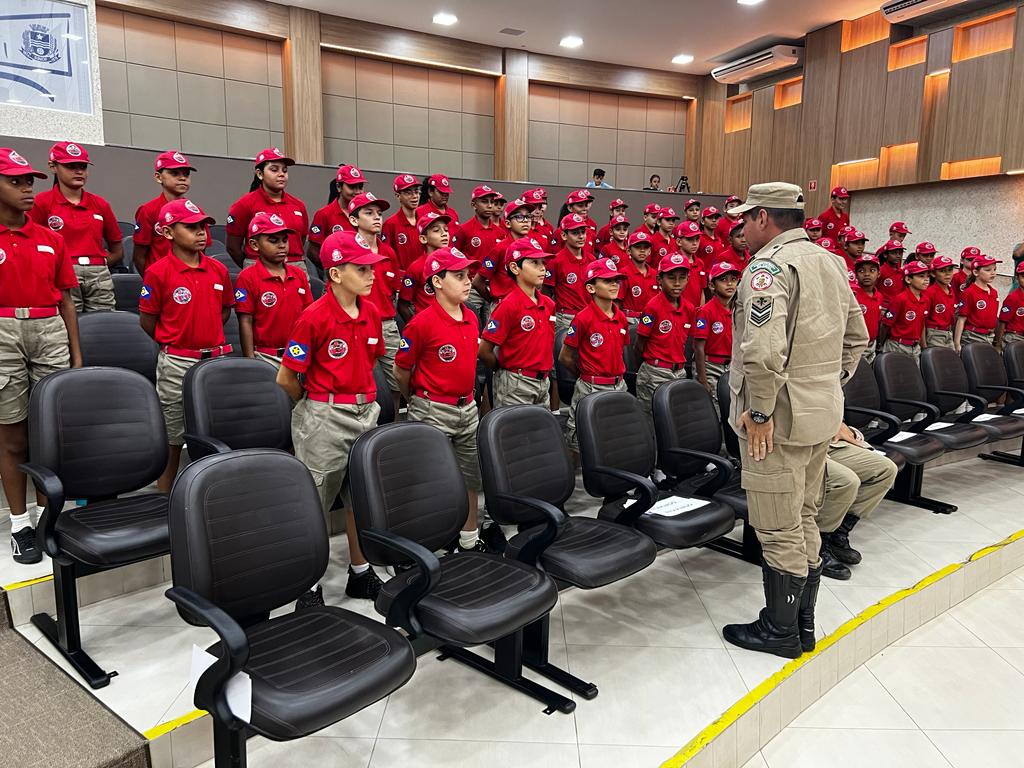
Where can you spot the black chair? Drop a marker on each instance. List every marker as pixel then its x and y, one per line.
pixel 564 379
pixel 987 377
pixel 248 537
pixel 127 286
pixel 94 434
pixel 409 500
pixel 227 261
pixel 527 478
pixel 631 360
pixel 316 286
pixel 219 232
pixel 234 403
pixel 216 248
pixel 116 339
pixel 618 455
pixel 384 399
pixel 689 437
pixel 1013 361
pixel 126 265
pixel 862 408
pixel 232 335
pixel 127 228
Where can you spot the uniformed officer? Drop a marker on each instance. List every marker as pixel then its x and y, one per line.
pixel 798 334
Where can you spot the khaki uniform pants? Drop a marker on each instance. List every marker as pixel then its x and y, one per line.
pixel 95 289
pixel 563 320
pixel 170 373
pixel 856 481
pixel 973 337
pixel 1009 338
pixel 29 350
pixel 387 361
pixel 713 372
pixel 783 495
pixel 322 435
pixel 459 423
pixel 870 353
pixel 514 389
pixel 274 360
pixel 936 337
pixel 581 390
pixel 895 346
pixel 649 378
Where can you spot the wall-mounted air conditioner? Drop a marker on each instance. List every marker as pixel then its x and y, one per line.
pixel 903 11
pixel 774 59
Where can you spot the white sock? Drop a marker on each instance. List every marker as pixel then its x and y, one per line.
pixel 20 522
pixel 38 515
pixel 468 539
pixel 360 568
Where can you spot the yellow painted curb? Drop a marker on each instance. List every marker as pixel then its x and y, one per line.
pixel 27 583
pixel 164 728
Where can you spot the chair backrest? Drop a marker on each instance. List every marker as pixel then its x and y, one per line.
pixel 942 370
pixel 237 401
pixel 127 287
pixel 316 286
pixel 100 430
pixel 899 377
pixel 684 417
pixel 1013 361
pixel 127 228
pixel 128 247
pixel 117 340
pixel 219 232
pixel 565 379
pixel 984 367
pixel 404 478
pixel 246 530
pixel 732 442
pixel 861 391
pixel 229 263
pixel 216 248
pixel 522 452
pixel 613 432
pixel 384 399
pixel 232 335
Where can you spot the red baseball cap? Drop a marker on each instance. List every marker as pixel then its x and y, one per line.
pixel 1020 269
pixel 892 245
pixel 915 268
pixel 347 248
pixel 440 182
pixel 273 153
pixel 732 199
pixel 66 153
pixel 537 194
pixel 501 198
pixel 720 268
pixel 840 192
pixel 446 260
pixel 900 227
pixel 13 164
pixel 604 269
pixel 667 213
pixel 349 174
pixel 941 262
pixel 813 224
pixel 404 181
pixel 866 258
pixel 985 261
pixel 429 218
pixel 183 211
pixel 845 232
pixel 671 261
pixel 640 237
pixel 826 242
pixel 572 221
pixel 578 196
pixel 170 160
pixel 484 191
pixel 617 220
pixel 856 235
pixel 736 225
pixel 691 202
pixel 364 199
pixel 710 211
pixel 652 208
pixel 616 203
pixel 525 248
pixel 925 247
pixel 686 229
pixel 970 252
pixel 264 223
pixel 514 205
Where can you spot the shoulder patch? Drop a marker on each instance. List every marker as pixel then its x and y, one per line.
pixel 761 310
pixel 763 265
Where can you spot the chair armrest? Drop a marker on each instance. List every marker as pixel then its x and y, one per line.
pixel 207 446
pixel 402 610
pixel 211 690
pixel 893 424
pixel 643 485
pixel 1018 397
pixel 931 411
pixel 979 402
pixel 722 465
pixel 48 484
pixel 555 519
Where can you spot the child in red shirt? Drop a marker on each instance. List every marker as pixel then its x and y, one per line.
pixel 869 299
pixel 813 229
pixel 709 218
pixel 1011 317
pixel 596 339
pixel 712 337
pixel 435 193
pixel 173 172
pixel 724 225
pixel 616 209
pixel 853 246
pixel 416 293
pixel 890 274
pixel 692 211
pixel 184 302
pixel 979 306
pixel 938 327
pixel 903 320
pixel 835 217
pixel 662 240
pixel 271 294
pixel 400 231
pixel 333 217
pixel 735 250
pixel 542 228
pixel 567 270
pixel 687 236
pixel 965 275
pixel 641 279
pixel 493 283
pixel 615 245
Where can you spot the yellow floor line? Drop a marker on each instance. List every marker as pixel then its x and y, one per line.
pixel 159 730
pixel 27 583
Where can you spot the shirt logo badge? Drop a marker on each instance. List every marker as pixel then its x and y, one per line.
pixel 636 290
pixel 492 325
pixel 337 349
pixel 911 315
pixel 402 238
pixel 336 228
pixel 665 326
pixel 475 242
pixel 145 293
pixel 981 304
pixel 404 345
pixel 596 340
pixel 887 282
pixel 407 282
pixel 240 294
pixel 527 323
pixel 702 323
pixel 571 278
pixel 182 295
pixel 647 320
pixel 940 308
pixel 315 229
pixel 761 281
pixel 296 351
pixel 1020 312
pixel 717 327
pixel 447 353
pixel 268 299
pixel 56 223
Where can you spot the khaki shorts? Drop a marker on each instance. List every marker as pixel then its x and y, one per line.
pixel 29 350
pixel 322 435
pixel 459 423
pixel 911 351
pixel 936 337
pixel 170 373
pixel 95 289
pixel 581 390
pixel 973 337
pixel 392 338
pixel 649 378
pixel 513 389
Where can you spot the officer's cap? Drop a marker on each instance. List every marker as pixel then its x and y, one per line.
pixel 775 194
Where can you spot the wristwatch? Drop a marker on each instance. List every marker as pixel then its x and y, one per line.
pixel 759 418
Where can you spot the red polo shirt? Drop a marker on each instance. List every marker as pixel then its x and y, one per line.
pixel 275 303
pixel 415 288
pixel 638 288
pixel 337 352
pixel 478 239
pixel 831 222
pixel 328 220
pixel 980 307
pixel 544 231
pixel 612 250
pixel 890 283
pixel 696 284
pixel 660 246
pixel 499 281
pixel 86 226
pixel 290 209
pixel 146 233
pixel 666 327
pixel 722 228
pixel 403 238
pixel 905 316
pixel 714 325
pixel 187 301
pixel 441 352
pixel 959 284
pixel 736 258
pixel 386 282
pixel 33 267
pixel 871 306
pixel 604 235
pixel 599 340
pixel 1012 313
pixel 707 249
pixel 941 307
pixel 589 244
pixel 567 275
pixel 525 331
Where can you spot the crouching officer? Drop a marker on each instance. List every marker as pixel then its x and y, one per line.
pixel 798 334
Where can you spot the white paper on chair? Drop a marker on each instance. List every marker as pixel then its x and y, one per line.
pixel 239 690
pixel 899 437
pixel 673 506
pixel 1019 412
pixel 986 417
pixel 937 426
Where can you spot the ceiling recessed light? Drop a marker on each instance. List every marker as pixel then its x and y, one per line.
pixel 445 19
pixel 682 58
pixel 571 41
pixel 749 2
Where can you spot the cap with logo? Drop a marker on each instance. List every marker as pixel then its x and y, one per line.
pixel 856 236
pixel 347 248
pixel 640 237
pixel 671 261
pixel 537 194
pixel 925 247
pixel 617 220
pixel 970 252
pixel 732 199
pixel 618 202
pixel 892 245
pixel 651 209
pixel 264 223
pixel 167 161
pixel 67 152
pixel 736 224
pixel 484 191
pixel 915 268
pixel 720 268
pixel 424 221
pixel 899 227
pixel 813 224
pixel 711 212
pixel 985 261
pixel 182 211
pixel 578 196
pixel 349 174
pixel 514 205
pixel 687 229
pixel 867 258
pixel 446 260
pixel 272 155
pixel 840 192
pixel 13 164
pixel 942 262
pixel 572 221
pixel 845 232
pixel 667 213
pixel 603 269
pixel 440 182
pixel 775 194
pixel 690 203
pixel 364 199
pixel 827 243
pixel 404 181
pixel 1020 269
pixel 525 248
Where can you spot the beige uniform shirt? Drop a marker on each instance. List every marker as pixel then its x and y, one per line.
pixel 798 334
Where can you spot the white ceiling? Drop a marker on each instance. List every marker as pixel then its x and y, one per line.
pixel 643 33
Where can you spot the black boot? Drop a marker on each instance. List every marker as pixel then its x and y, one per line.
pixel 775 630
pixel 807 601
pixel 831 568
pixel 839 542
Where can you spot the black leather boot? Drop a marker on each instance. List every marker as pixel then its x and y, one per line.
pixel 807 602
pixel 839 542
pixel 775 630
pixel 831 568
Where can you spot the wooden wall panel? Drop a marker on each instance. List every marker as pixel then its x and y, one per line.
pixel 738 111
pixel 978 92
pixel 966 169
pixel 1013 142
pixel 859 175
pixel 904 95
pixel 511 118
pixel 789 93
pixel 736 163
pixel 863 31
pixel 597 75
pixel 940 50
pixel 303 94
pixel 861 102
pixel 253 17
pixel 816 137
pixel 761 131
pixel 908 53
pixel 934 120
pixel 898 165
pixel 788 153
pixel 980 37
pixel 692 148
pixel 713 136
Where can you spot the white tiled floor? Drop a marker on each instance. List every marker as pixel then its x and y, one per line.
pixel 652 644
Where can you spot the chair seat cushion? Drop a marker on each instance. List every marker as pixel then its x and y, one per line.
pixel 919 449
pixel 479 598
pixel 590 553
pixel 957 436
pixel 733 495
pixel 115 532
pixel 689 529
pixel 317 666
pixel 1002 427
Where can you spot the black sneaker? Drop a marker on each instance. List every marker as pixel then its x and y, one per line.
pixel 480 546
pixel 312 599
pixel 23 546
pixel 494 538
pixel 363 586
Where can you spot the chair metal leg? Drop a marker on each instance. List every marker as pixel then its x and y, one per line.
pixel 907 490
pixel 228 746
pixel 535 657
pixel 1005 457
pixel 748 550
pixel 65 631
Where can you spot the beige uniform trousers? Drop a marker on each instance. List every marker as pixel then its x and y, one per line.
pixel 895 346
pixel 459 423
pixel 856 481
pixel 713 372
pixel 936 337
pixel 563 320
pixel 973 337
pixel 29 350
pixel 649 378
pixel 784 492
pixel 581 390
pixel 392 338
pixel 274 360
pixel 95 289
pixel 870 353
pixel 514 389
pixel 170 373
pixel 1009 338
